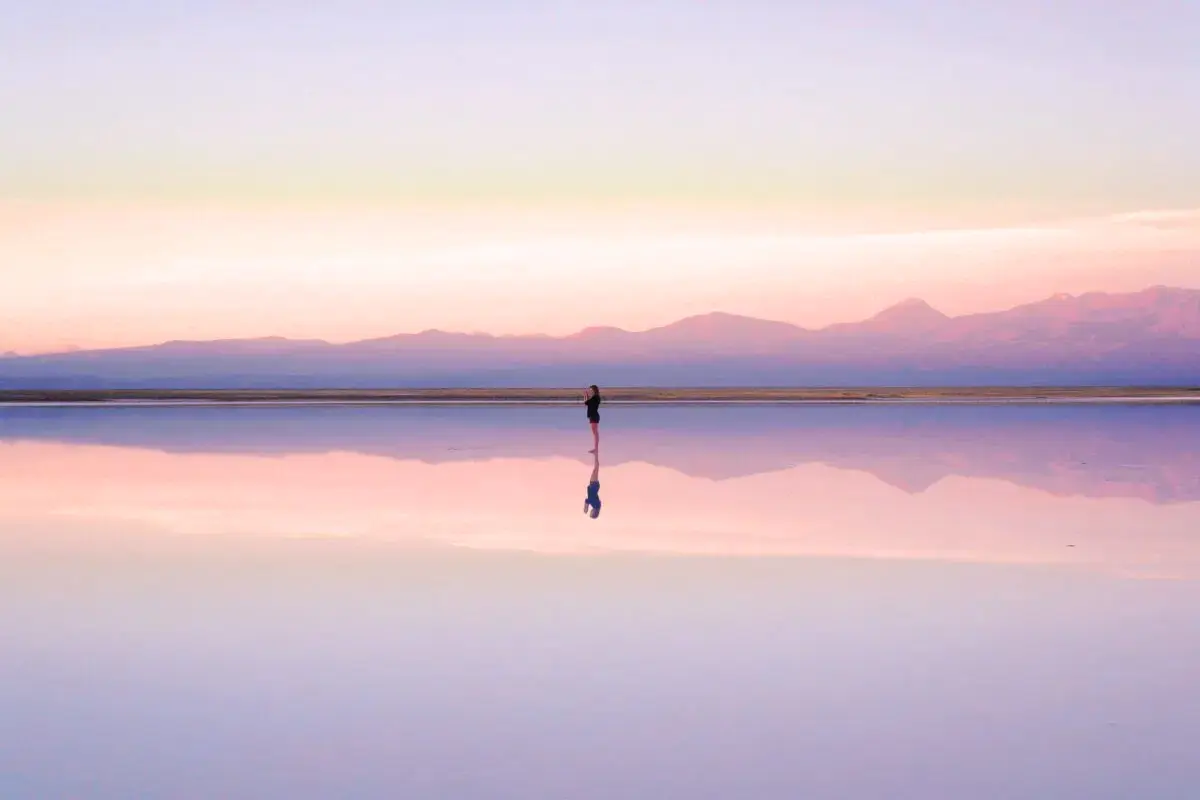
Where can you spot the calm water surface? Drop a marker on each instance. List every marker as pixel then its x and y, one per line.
pixel 774 602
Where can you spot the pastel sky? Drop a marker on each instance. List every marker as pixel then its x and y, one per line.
pixel 353 169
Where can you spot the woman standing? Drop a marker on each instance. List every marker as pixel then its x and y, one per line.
pixel 592 399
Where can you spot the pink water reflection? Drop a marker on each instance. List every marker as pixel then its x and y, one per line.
pixel 533 504
pixel 409 603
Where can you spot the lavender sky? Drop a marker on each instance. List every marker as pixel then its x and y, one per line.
pixel 344 170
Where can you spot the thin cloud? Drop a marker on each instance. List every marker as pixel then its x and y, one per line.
pixel 1162 219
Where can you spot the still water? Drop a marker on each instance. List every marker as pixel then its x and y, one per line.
pixel 774 602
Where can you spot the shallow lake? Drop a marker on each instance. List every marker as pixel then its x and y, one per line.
pixel 774 602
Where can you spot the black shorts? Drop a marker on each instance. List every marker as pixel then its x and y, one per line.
pixel 594 419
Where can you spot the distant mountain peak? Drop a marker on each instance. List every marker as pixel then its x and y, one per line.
pixel 912 305
pixel 724 320
pixel 912 302
pixel 593 331
pixel 718 316
pixel 913 315
pixel 720 328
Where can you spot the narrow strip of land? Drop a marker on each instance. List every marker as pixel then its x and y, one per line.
pixel 619 395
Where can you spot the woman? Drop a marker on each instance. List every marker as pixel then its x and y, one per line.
pixel 592 399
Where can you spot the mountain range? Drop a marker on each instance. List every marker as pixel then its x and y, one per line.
pixel 1148 337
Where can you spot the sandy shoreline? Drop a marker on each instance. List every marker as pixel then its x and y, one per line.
pixel 629 395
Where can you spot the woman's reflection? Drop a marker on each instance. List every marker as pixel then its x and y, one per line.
pixel 591 506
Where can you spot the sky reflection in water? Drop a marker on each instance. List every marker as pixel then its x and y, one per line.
pixel 250 602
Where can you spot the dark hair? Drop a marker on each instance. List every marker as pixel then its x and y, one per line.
pixel 595 389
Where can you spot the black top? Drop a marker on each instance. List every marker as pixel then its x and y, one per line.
pixel 593 407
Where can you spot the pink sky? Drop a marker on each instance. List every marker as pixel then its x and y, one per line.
pixel 97 275
pixel 339 171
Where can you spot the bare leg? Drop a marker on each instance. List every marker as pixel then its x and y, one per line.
pixel 595 438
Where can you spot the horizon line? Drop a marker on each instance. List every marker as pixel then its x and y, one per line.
pixel 908 301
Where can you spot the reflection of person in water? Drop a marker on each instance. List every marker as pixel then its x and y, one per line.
pixel 591 506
